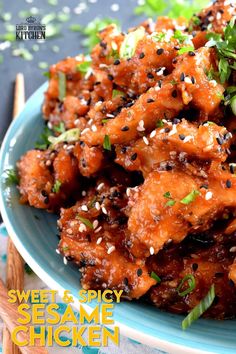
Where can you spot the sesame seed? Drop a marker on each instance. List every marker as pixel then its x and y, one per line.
pixel 65 260
pixel 150 100
pixel 95 224
pixel 139 272
pixel 109 115
pixel 232 249
pixel 194 266
pixel 111 249
pixel 228 183
pixel 110 77
pixel 141 55
pixel 83 193
pixel 208 195
pixel 153 133
pixel 182 77
pixel 174 94
pixel 181 136
pixel 104 210
pixel 116 62
pixel 125 128
pixel 57 251
pixel 128 192
pixel 133 157
pixel 84 208
pixel 219 140
pixel 145 140
pixel 99 240
pixel 150 76
pixel 160 51
pixel 100 186
pixel 191 54
pixel 193 80
pixel 188 138
pixel 218 16
pixel 97 206
pixel 151 250
pixel 140 127
pixel 82 228
pixel 98 229
pixel 188 80
pixel 94 128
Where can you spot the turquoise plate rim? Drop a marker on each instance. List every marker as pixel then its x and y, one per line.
pixel 140 322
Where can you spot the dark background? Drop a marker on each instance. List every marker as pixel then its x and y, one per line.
pixel 69 43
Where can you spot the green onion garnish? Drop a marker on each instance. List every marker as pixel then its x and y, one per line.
pixel 62 85
pixel 84 67
pixel 130 42
pixel 186 49
pixel 200 308
pixel 43 142
pixel 85 221
pixel 191 282
pixel 117 93
pixel 107 143
pixel 12 177
pixel 56 187
pixel 160 123
pixel 68 136
pixel 170 203
pixel 233 105
pixel 167 195
pixel 60 128
pixel 155 277
pixel 190 197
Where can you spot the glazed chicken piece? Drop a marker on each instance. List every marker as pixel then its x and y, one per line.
pixel 187 84
pixel 48 178
pixel 93 236
pixel 215 17
pixel 175 140
pixel 207 257
pixel 171 204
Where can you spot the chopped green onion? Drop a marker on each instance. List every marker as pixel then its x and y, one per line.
pixel 43 142
pixel 68 136
pixel 92 203
pixel 47 74
pixel 52 2
pixel 63 17
pixel 181 36
pixel 233 105
pixel 76 28
pixel 155 277
pixel 160 123
pixel 23 53
pixel 60 128
pixel 190 197
pixel 200 308
pixel 167 195
pixel 185 50
pixel 43 65
pixel 116 93
pixel 56 187
pixel 62 85
pixel 85 221
pixel 107 143
pixel 191 282
pixel 12 177
pixel 130 42
pixel 170 203
pixel 84 67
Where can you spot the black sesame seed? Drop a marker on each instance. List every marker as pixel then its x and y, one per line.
pixel 125 128
pixel 159 83
pixel 167 130
pixel 141 55
pixel 231 283
pixel 160 51
pixel 176 121
pixel 123 150
pixel 219 140
pixel 228 183
pixel 194 266
pixel 134 156
pixel 46 200
pixel 231 168
pixel 97 83
pixel 205 186
pixel 150 76
pixel 84 164
pixel 129 104
pixel 126 281
pixel 117 62
pixel 174 93
pixel 181 136
pixel 150 100
pixel 176 47
pixel 44 193
pixel 139 272
pixel 191 53
pixel 103 45
pixel 110 77
pixel 193 80
pixel 174 61
pixel 182 77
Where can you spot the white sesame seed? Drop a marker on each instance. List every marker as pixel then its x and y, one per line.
pixel 76 121
pixel 213 83
pixel 48 163
pixel 94 128
pixel 97 206
pixel 99 240
pixel 128 192
pixel 57 251
pixel 188 138
pixel 83 193
pixel 104 210
pixel 173 130
pixel 86 130
pixel 49 125
pixel 84 208
pixel 108 115
pixel 232 249
pixel 153 133
pixel 111 249
pixel 145 140
pixel 140 126
pixel 82 228
pixel 218 16
pixel 151 250
pixel 208 195
pixel 188 80
pixel 100 186
pixel 65 260
pixel 157 88
pixel 98 229
pixel 95 224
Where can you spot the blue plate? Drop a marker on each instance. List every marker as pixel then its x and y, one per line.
pixel 34 234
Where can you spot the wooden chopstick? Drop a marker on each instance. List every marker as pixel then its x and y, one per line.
pixel 15 263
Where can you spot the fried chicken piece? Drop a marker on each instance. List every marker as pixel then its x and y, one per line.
pixel 171 204
pixel 90 159
pixel 93 236
pixel 189 83
pixel 207 258
pixel 214 17
pixel 173 141
pixel 48 178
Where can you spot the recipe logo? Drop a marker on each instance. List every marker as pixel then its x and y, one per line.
pixel 30 30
